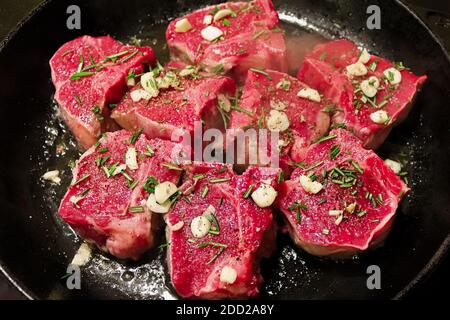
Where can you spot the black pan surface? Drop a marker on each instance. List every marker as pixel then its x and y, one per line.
pixel 36 246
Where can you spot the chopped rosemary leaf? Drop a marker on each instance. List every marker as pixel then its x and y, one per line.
pixel 171 166
pixel 81 179
pixel 102 150
pixel 205 191
pixel 136 209
pixel 133 184
pixel 149 152
pixel 135 136
pixel 334 151
pixel 164 245
pixel 326 138
pixel 80 74
pixel 248 191
pixel 150 184
pixel 280 177
pixel 356 166
pixel 268 76
pixel 219 180
pixel 186 199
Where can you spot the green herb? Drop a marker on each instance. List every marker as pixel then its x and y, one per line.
pixel 329 108
pixel 218 69
pixel 114 57
pixel 129 56
pixel 239 109
pixel 133 184
pixel 80 74
pixel 259 33
pixel 126 175
pixel 102 150
pixel 81 179
pixel 326 231
pixel 149 152
pixel 373 65
pixel 356 166
pixel 150 184
pixel 326 138
pixel 186 199
pixel 171 166
pixel 67 52
pixel 135 136
pixel 334 151
pixel 321 201
pixel 221 247
pixel 205 191
pixel 268 76
pixel 219 180
pixel 136 209
pixel 77 98
pixel 317 164
pixel 163 246
pixel 323 56
pixel 280 177
pixel 248 191
pixel 226 22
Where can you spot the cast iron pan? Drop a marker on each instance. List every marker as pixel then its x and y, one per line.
pixel 36 246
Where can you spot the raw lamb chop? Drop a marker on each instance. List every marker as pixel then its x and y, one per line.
pixel 343 198
pixel 278 102
pixel 89 75
pixel 229 38
pixel 106 201
pixel 371 94
pixel 219 230
pixel 169 103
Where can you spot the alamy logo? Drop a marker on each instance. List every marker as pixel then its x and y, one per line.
pixel 74 20
pixel 374 20
pixel 73 277
pixel 374 279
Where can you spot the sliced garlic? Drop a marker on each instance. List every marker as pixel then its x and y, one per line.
pixel 200 226
pixel 131 82
pixel 139 94
pixel 183 25
pixel 222 14
pixel 211 33
pixel 207 19
pixel 228 275
pixel 370 87
pixel 310 94
pixel 357 69
pixel 339 219
pixel 284 84
pixel 224 103
pixel 379 117
pixel 155 207
pixel 164 191
pixel 148 82
pixel 119 169
pixel 277 121
pixel 309 185
pixel 336 212
pixel 278 105
pixel 351 208
pixel 131 159
pixel 364 57
pixel 82 256
pixel 264 196
pixel 209 211
pixel 393 75
pixel 188 70
pixel 52 176
pixel 177 226
pixel 394 165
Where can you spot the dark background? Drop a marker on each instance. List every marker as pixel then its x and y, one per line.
pixel 436 14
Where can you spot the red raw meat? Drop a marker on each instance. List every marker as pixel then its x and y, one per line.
pixel 325 69
pixel 244 233
pixel 356 206
pixel 89 74
pixel 176 109
pixel 111 211
pixel 251 38
pixel 269 90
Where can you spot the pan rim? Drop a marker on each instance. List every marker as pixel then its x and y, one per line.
pixel 435 260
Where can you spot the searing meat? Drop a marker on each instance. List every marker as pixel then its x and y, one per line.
pixel 230 38
pixel 107 200
pixel 371 94
pixel 169 103
pixel 89 75
pixel 342 200
pixel 220 229
pixel 280 103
